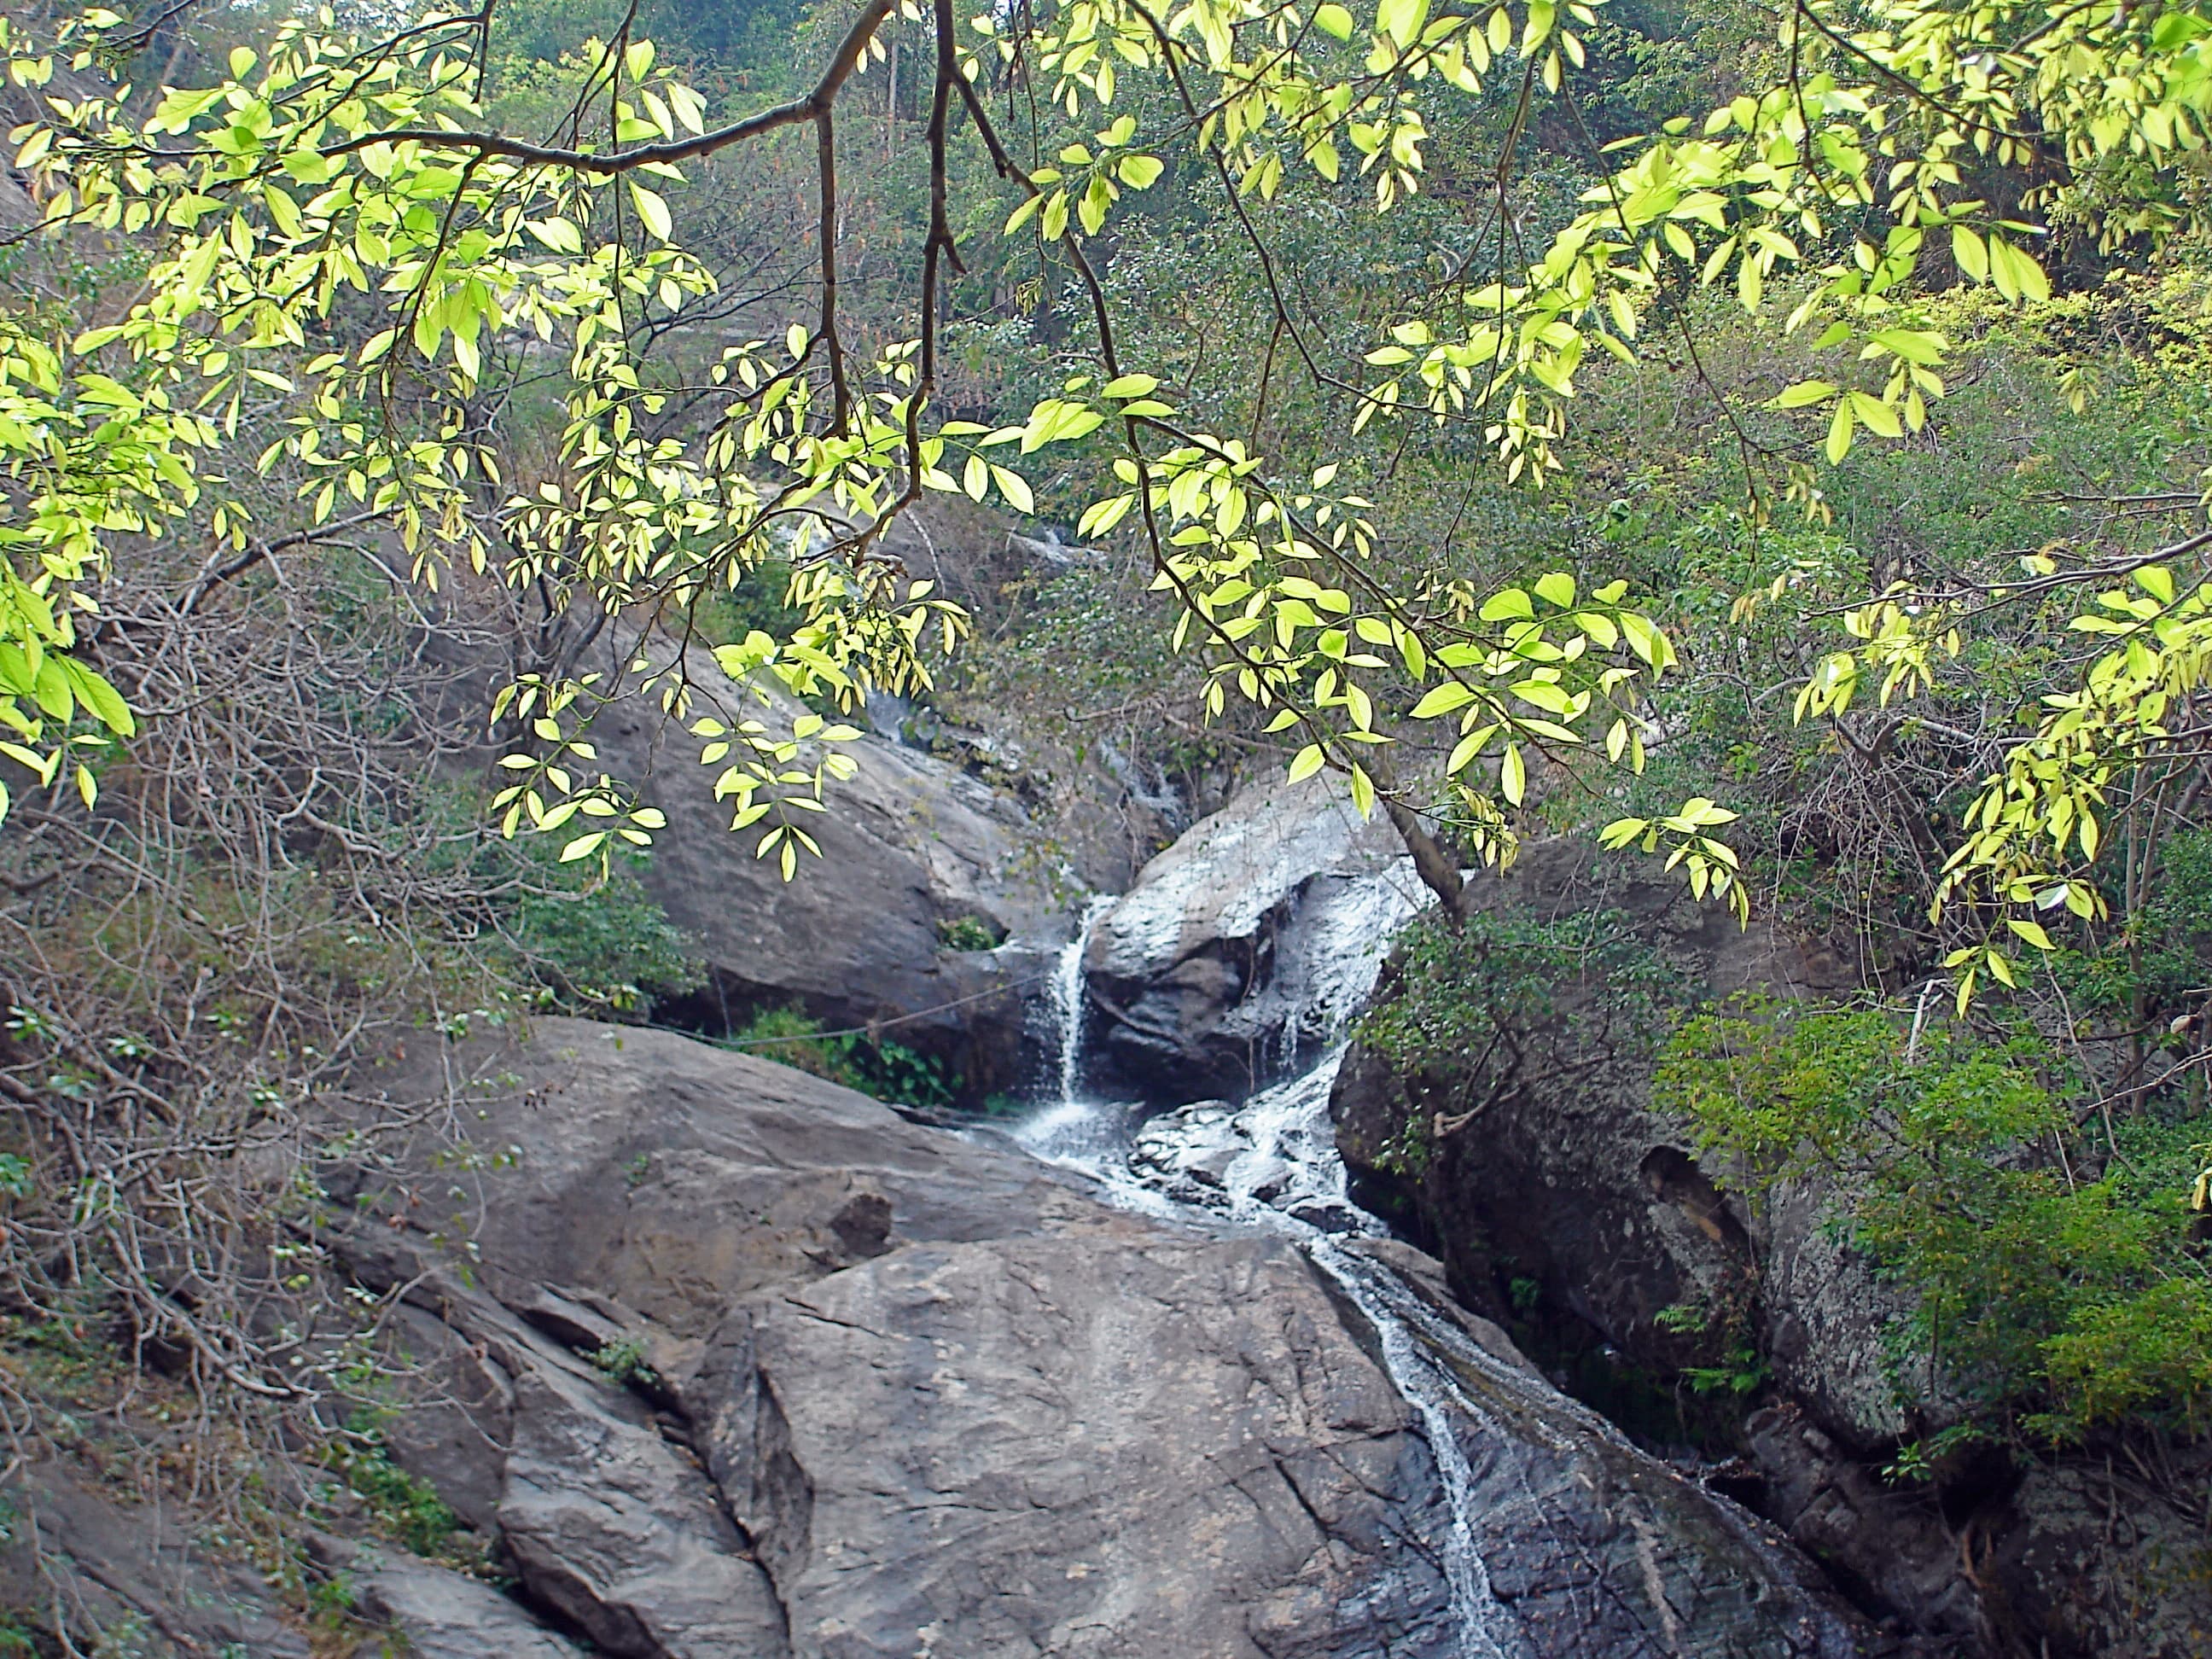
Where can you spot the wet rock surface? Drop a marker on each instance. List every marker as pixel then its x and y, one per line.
pixel 890 1391
pixel 1237 947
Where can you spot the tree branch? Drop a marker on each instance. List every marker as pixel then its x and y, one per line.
pixel 812 108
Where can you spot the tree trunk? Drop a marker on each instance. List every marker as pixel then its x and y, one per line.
pixel 1437 869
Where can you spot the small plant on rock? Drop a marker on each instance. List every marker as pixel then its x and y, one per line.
pixel 623 1361
pixel 967 933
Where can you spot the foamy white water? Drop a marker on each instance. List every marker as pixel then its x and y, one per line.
pixel 1273 1163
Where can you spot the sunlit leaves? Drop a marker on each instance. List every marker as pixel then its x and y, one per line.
pixel 1686 838
pixel 2032 837
pixel 283 193
pixel 652 211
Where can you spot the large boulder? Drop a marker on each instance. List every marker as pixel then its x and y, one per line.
pixel 1242 944
pixel 910 1393
pixel 917 856
pixel 918 853
pixel 434 1612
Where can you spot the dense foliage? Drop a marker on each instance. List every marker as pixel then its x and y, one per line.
pixel 2056 1273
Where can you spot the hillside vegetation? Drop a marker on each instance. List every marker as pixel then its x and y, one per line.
pixel 1772 442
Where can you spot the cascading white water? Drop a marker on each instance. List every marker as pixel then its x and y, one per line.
pixel 1433 1394
pixel 1273 1163
pixel 1326 960
pixel 1074 1131
pixel 1067 1005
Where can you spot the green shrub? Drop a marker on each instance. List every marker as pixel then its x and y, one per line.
pixel 623 1360
pixel 1509 971
pixel 2064 1294
pixel 967 933
pixel 596 945
pixel 886 1071
pixel 586 944
pixel 404 1509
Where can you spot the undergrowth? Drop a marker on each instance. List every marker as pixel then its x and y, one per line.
pixel 884 1069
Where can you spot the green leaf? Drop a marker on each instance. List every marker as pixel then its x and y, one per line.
pixel 2157 581
pixel 1363 793
pixel 1915 345
pixel 1512 605
pixel 1140 172
pixel 1334 20
pixel 1467 748
pixel 2032 933
pixel 1970 253
pixel 652 210
pixel 1090 211
pixel 1646 641
pixel 1598 627
pixel 1542 694
pixel 1442 699
pixel 2027 279
pixel 1557 587
pixel 1303 764
pixel 1621 831
pixel 1401 19
pixel 1512 775
pixel 1804 392
pixel 1840 432
pixel 105 703
pixel 2003 271
pixel 1877 416
pixel 1014 488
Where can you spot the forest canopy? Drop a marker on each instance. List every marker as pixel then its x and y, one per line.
pixel 347 223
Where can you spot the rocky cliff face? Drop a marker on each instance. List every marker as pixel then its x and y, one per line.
pixel 912 846
pixel 888 1391
pixel 720 1359
pixel 1536 1167
pixel 1555 1170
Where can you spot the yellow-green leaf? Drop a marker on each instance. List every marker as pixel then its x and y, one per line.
pixel 1442 699
pixel 652 210
pixel 1840 432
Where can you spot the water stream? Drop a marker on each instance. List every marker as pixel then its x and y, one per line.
pixel 1273 1163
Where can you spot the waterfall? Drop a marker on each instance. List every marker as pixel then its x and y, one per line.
pixel 1074 1131
pixel 1430 1389
pixel 1273 1163
pixel 1068 1008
